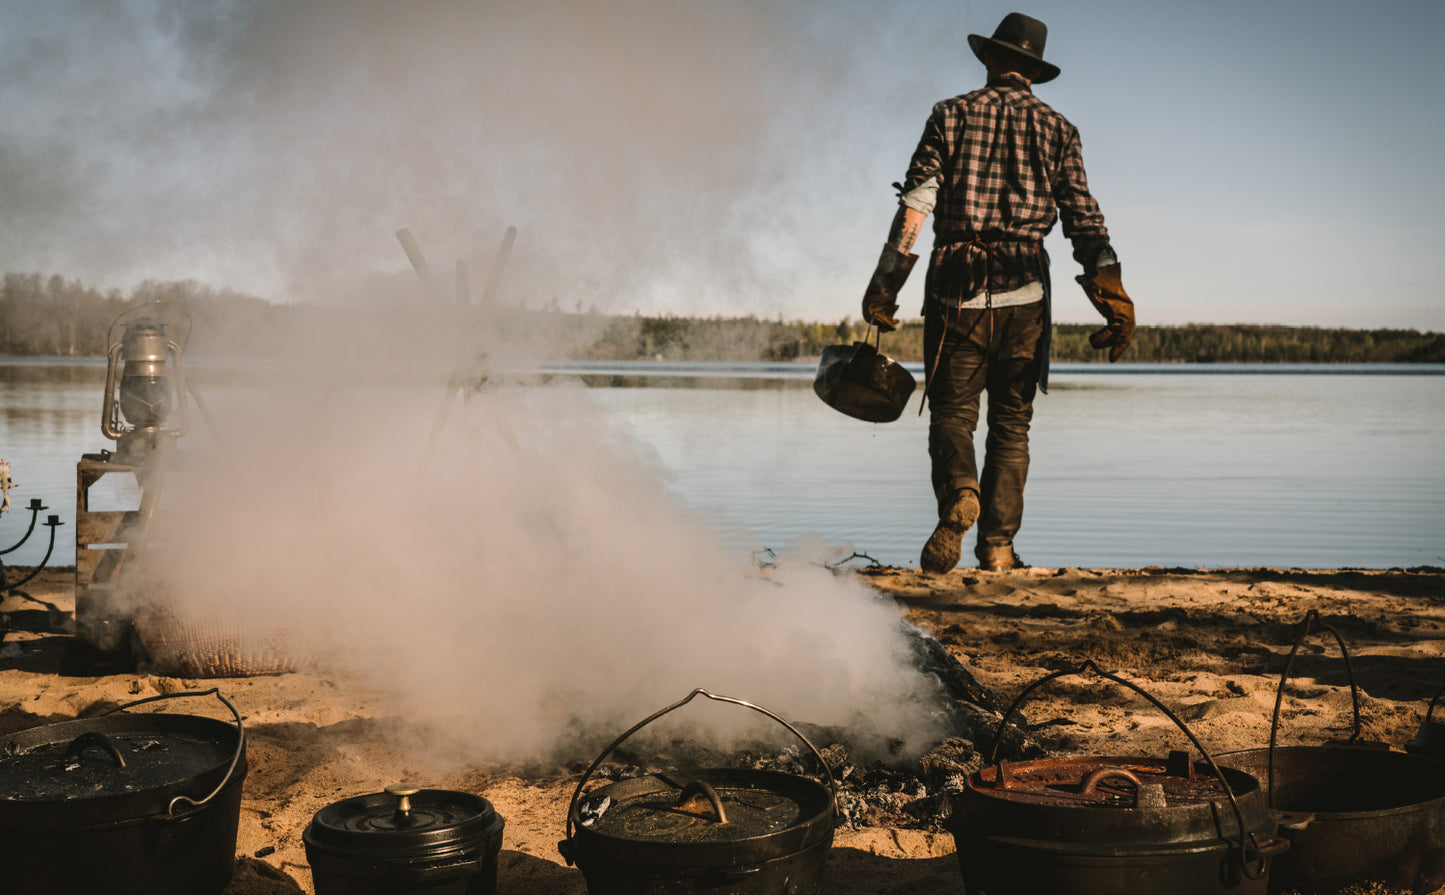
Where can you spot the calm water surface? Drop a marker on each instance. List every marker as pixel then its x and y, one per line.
pixel 1164 467
pixel 1180 466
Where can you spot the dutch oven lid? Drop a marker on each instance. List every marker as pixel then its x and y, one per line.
pixel 404 819
pixel 1111 798
pixel 704 806
pixel 1102 782
pixel 114 767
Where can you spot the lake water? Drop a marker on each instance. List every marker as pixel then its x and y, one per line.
pixel 1197 466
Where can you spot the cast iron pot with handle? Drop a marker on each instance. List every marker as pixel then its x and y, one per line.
pixel 859 381
pixel 1108 825
pixel 126 804
pixel 1356 814
pixel 722 831
pixel 405 841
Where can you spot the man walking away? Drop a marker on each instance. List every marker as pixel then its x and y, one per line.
pixel 996 167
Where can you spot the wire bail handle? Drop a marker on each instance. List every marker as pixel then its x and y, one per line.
pixel 235 758
pixel 577 793
pixel 1090 665
pixel 1311 617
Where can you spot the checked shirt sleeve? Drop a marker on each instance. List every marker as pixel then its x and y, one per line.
pixel 932 149
pixel 1079 214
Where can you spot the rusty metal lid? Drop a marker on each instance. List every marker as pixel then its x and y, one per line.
pixel 1110 798
pixel 1102 782
pixel 705 806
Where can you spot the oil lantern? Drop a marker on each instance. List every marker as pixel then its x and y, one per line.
pixel 145 383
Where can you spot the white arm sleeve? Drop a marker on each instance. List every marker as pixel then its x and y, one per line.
pixel 922 197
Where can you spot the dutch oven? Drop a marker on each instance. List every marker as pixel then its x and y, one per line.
pixel 1356 814
pixel 405 840
pixel 131 804
pixel 859 381
pixel 723 831
pixel 1113 824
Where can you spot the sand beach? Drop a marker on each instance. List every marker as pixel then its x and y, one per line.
pixel 1208 644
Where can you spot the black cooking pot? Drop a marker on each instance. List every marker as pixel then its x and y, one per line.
pixel 857 380
pixel 122 803
pixel 723 831
pixel 1356 814
pixel 1092 825
pixel 405 841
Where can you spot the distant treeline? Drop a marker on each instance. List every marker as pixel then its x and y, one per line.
pixel 54 316
pixel 749 338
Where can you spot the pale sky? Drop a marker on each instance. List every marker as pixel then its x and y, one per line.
pixel 1260 161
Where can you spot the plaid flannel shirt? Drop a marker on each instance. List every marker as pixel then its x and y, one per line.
pixel 1008 166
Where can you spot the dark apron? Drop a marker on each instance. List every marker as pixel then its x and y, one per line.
pixel 954 272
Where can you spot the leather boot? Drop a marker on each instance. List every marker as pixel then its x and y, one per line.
pixel 998 558
pixel 945 545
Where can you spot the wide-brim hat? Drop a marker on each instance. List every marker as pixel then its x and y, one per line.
pixel 1019 35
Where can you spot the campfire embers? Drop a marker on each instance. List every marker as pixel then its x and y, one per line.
pixel 870 793
pixel 875 791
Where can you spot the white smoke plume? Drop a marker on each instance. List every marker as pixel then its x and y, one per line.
pixel 525 578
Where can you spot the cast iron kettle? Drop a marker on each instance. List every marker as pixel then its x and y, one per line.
pixel 134 804
pixel 1099 825
pixel 720 831
pixel 1357 814
pixel 859 381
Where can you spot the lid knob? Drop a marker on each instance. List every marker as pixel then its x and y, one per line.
pixel 403 793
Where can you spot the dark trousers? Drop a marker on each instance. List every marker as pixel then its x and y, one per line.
pixel 970 352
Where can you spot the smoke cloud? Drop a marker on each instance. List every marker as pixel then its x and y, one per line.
pixel 528 575
pixel 524 578
pixel 654 155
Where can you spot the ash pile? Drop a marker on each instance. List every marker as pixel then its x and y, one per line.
pixel 874 793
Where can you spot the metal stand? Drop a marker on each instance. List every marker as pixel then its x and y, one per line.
pixel 13 587
pixel 463 382
pixel 106 542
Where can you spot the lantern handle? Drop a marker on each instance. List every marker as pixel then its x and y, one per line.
pixel 170 314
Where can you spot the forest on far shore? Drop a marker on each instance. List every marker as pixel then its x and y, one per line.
pixel 53 316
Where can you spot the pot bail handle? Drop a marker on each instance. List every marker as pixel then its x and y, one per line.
pixel 1430 712
pixel 1311 617
pixel 1253 845
pixel 875 348
pixel 235 758
pixel 577 793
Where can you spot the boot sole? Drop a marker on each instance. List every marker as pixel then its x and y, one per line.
pixel 945 546
pixel 943 550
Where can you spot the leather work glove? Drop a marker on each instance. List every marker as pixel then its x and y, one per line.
pixel 1106 292
pixel 880 301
